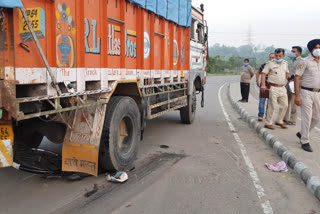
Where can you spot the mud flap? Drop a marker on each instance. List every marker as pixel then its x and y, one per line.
pixel 81 145
pixel 202 98
pixel 6 142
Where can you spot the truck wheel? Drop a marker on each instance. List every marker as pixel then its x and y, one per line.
pixel 187 114
pixel 120 136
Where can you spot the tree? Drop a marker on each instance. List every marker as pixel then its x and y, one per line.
pixel 225 59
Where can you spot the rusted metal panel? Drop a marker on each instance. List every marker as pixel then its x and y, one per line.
pixel 8 97
pixel 6 44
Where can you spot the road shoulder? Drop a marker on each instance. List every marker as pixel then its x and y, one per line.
pixel 283 142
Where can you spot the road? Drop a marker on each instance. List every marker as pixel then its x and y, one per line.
pixel 215 165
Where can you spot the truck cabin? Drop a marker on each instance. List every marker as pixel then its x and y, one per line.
pixel 198 27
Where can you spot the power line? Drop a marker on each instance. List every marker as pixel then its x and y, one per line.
pixel 273 34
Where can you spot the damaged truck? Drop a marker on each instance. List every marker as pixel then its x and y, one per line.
pixel 88 74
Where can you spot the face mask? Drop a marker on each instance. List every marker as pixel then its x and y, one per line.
pixel 292 55
pixel 278 60
pixel 316 53
pixel 245 64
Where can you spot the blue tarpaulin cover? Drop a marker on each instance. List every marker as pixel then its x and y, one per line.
pixel 141 3
pixel 11 3
pixel 178 11
pixel 162 8
pixel 151 5
pixel 189 16
pixel 184 7
pixel 173 10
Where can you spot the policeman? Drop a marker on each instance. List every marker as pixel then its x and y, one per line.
pixel 291 115
pixel 262 101
pixel 307 86
pixel 278 72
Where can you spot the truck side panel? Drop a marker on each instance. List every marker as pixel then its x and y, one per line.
pixel 86 40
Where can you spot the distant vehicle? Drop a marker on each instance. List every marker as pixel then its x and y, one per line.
pixel 89 74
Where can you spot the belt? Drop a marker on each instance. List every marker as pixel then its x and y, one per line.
pixel 275 85
pixel 311 89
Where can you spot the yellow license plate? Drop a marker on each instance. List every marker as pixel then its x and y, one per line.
pixel 6 132
pixel 182 74
pixel 36 17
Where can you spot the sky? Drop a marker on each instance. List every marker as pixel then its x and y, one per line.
pixel 281 23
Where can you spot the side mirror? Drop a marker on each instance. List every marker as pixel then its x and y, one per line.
pixel 206 33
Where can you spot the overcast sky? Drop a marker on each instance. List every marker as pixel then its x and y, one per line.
pixel 281 23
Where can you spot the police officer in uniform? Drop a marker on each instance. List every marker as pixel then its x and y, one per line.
pixel 291 115
pixel 278 72
pixel 307 88
pixel 262 101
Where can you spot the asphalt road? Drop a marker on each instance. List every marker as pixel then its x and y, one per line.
pixel 215 165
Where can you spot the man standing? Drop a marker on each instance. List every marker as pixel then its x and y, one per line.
pixel 246 75
pixel 291 115
pixel 262 101
pixel 277 71
pixel 307 88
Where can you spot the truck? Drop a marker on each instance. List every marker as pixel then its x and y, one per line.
pixel 88 74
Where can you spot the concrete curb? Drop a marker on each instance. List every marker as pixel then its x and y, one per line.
pixel 312 182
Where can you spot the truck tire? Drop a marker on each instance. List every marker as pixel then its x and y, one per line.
pixel 187 113
pixel 120 136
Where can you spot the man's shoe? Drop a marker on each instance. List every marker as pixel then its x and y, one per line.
pixel 260 118
pixel 306 147
pixel 298 135
pixel 281 125
pixel 290 123
pixel 243 101
pixel 269 127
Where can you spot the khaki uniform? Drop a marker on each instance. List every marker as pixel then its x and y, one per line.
pixel 277 74
pixel 291 114
pixel 296 62
pixel 309 70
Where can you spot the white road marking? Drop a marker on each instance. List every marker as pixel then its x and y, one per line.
pixel 265 203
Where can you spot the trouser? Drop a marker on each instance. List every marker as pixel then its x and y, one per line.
pixel 262 102
pixel 277 96
pixel 291 114
pixel 310 107
pixel 245 90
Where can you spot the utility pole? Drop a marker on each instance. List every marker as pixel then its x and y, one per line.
pixel 249 36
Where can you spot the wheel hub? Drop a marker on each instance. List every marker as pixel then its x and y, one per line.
pixel 125 135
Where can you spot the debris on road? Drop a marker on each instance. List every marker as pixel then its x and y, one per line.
pixel 164 147
pixel 119 177
pixel 277 167
pixel 92 192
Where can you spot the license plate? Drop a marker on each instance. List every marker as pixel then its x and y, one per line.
pixel 6 132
